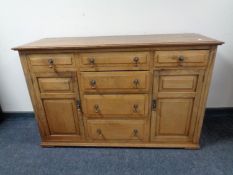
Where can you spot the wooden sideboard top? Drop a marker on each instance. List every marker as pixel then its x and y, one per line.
pixel 120 41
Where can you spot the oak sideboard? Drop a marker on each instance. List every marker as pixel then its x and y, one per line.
pixel 120 91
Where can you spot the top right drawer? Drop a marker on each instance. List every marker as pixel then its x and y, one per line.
pixel 181 58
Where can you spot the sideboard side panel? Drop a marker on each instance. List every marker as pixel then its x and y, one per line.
pixel 204 95
pixel 28 78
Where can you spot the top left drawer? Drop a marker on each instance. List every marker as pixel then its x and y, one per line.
pixel 51 62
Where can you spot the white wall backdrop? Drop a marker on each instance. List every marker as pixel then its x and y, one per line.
pixel 27 20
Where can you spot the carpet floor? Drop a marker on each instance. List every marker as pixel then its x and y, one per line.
pixel 20 154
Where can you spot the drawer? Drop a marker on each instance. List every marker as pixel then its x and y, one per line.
pixel 50 62
pixel 116 105
pixel 115 81
pixel 181 58
pixel 116 129
pixel 56 85
pixel 178 83
pixel 106 59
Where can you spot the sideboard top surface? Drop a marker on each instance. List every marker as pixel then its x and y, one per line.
pixel 120 41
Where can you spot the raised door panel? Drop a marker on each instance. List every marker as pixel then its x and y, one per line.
pixel 56 85
pixel 178 83
pixel 174 117
pixel 61 116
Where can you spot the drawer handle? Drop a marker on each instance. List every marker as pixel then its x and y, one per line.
pixel 135 108
pixel 51 63
pixel 136 82
pixel 136 60
pixel 93 83
pixel 181 58
pixel 91 61
pixel 135 133
pixel 99 132
pixel 97 109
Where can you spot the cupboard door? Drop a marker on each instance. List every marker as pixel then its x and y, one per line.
pixel 61 116
pixel 177 97
pixel 57 97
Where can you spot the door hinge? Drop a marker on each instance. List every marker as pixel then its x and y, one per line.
pixel 78 105
pixel 154 104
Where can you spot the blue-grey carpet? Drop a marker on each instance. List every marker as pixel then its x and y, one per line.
pixel 20 154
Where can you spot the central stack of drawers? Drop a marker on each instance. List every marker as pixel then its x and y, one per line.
pixel 114 90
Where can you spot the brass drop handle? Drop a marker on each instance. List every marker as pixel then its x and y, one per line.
pixel 136 82
pixel 181 58
pixel 135 108
pixel 135 133
pixel 136 60
pixel 97 109
pixel 93 83
pixel 99 132
pixel 51 63
pixel 91 61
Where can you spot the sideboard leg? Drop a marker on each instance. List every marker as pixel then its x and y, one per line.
pixel 194 147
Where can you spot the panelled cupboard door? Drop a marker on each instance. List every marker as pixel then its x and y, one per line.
pixel 57 95
pixel 177 97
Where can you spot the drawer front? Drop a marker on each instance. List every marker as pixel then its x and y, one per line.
pixel 50 62
pixel 55 85
pixel 116 105
pixel 181 58
pixel 128 59
pixel 116 129
pixel 178 83
pixel 115 81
